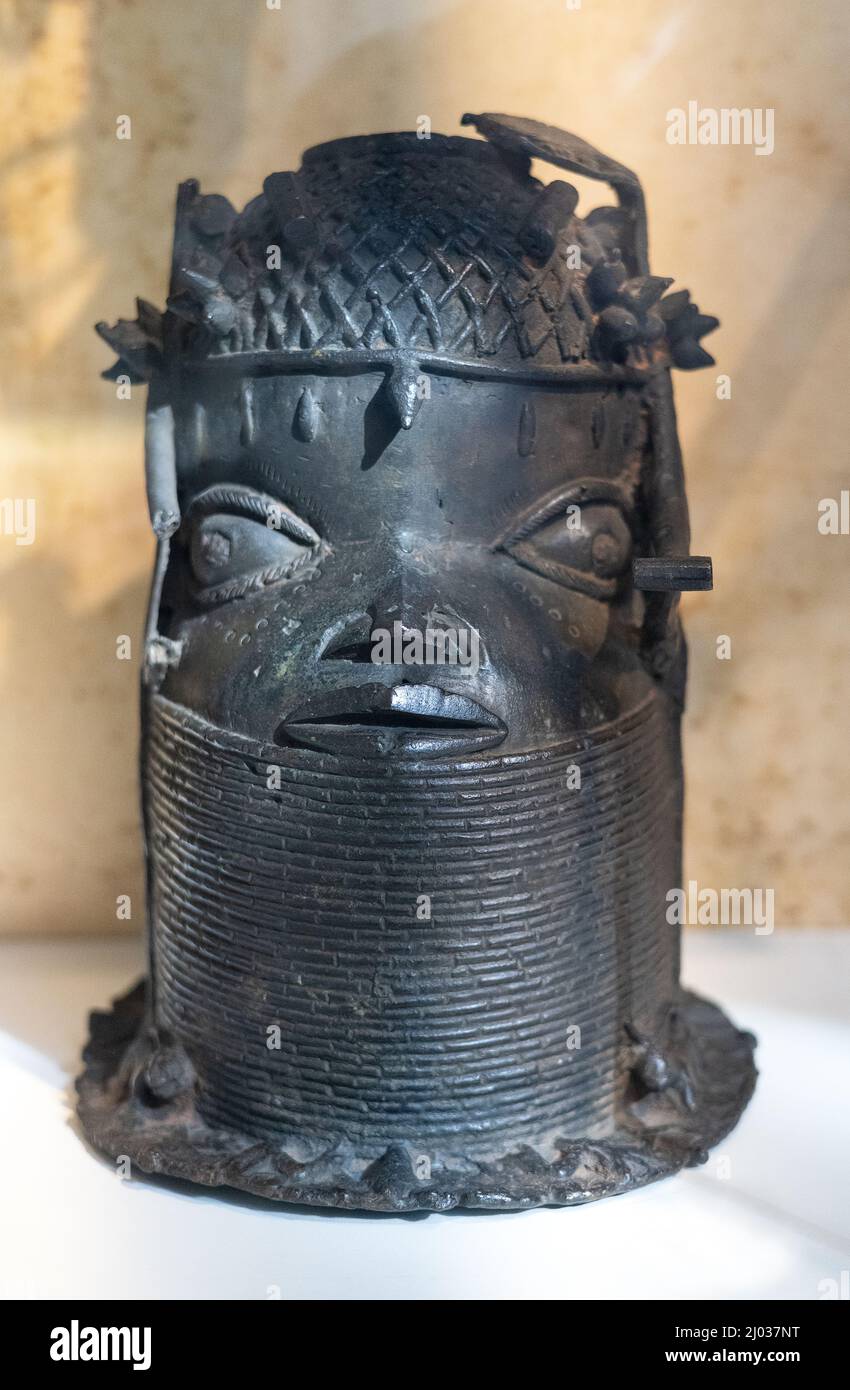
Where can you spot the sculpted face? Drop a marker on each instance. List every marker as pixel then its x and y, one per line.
pixel 507 514
pixel 410 758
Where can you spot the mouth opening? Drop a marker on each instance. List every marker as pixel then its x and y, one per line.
pixel 390 719
pixel 402 720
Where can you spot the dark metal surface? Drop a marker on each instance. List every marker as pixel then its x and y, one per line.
pixel 136 1101
pixel 672 574
pixel 392 1027
pixel 408 934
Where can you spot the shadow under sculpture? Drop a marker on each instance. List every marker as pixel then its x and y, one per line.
pixel 407 903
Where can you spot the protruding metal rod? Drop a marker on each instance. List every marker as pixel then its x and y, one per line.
pixel 161 470
pixel 672 573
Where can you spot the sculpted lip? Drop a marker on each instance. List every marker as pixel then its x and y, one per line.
pixel 399 720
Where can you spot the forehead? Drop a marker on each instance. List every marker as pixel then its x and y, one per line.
pixel 477 449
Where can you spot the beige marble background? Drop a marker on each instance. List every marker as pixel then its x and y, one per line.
pixel 229 90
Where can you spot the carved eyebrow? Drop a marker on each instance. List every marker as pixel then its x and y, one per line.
pixel 580 490
pixel 247 501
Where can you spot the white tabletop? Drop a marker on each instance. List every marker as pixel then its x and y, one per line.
pixel 767 1217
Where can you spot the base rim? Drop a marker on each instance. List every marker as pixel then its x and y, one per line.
pixel 657 1133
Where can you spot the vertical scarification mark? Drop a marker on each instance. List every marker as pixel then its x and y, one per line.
pixel 199 429
pixel 597 424
pixel 527 429
pixel 247 424
pixel 306 423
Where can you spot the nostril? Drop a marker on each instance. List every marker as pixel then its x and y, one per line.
pixel 349 639
pixel 354 652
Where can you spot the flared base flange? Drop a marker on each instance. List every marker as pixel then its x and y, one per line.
pixel 659 1131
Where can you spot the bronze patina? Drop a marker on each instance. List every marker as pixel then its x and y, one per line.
pixel 412 783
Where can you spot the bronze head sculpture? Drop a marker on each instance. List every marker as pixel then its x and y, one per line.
pixel 414 674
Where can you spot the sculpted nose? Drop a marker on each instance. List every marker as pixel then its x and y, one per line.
pixel 349 639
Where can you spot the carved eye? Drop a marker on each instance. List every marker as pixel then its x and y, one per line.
pixel 240 541
pixel 579 537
